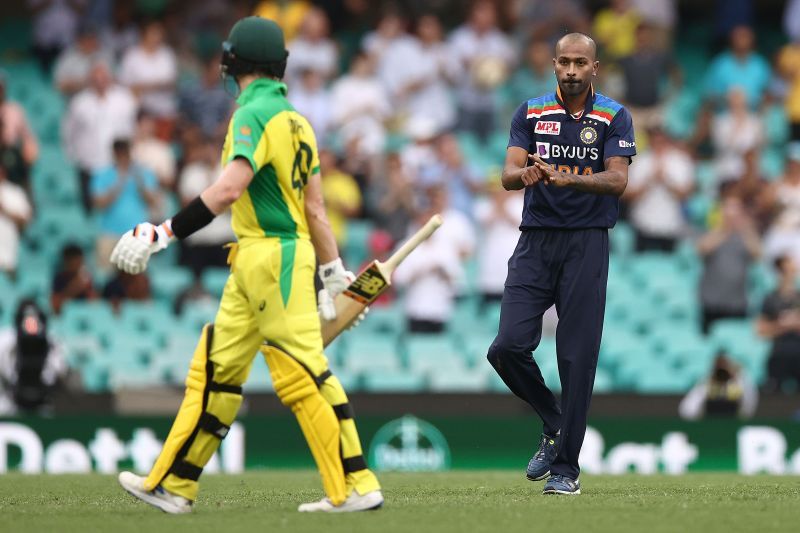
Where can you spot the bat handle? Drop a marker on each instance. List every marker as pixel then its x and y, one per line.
pixel 426 231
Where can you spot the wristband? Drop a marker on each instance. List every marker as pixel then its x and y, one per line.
pixel 191 218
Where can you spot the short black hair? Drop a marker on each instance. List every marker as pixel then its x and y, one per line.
pixel 70 251
pixel 572 36
pixel 780 262
pixel 121 145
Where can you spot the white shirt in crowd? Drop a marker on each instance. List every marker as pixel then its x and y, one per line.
pixel 321 56
pixel 12 200
pixel 469 48
pixel 733 138
pixel 57 23
pixel 94 121
pixel 657 212
pixel 500 235
pixel 194 179
pixel 55 367
pixel 156 155
pixel 429 295
pixel 360 106
pixel 160 67
pixel 409 62
pixel 315 105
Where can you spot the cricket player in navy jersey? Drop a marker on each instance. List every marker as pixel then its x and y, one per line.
pixel 570 150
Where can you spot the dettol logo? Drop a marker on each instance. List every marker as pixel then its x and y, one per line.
pixel 411 445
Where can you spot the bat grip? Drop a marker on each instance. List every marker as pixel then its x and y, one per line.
pixel 426 231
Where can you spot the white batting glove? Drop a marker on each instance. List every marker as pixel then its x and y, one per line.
pixel 334 277
pixel 327 309
pixel 134 248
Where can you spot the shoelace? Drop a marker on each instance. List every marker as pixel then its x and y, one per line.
pixel 541 453
pixel 557 478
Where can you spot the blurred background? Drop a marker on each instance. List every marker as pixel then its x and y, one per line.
pixel 113 112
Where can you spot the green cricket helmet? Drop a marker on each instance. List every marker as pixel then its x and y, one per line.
pixel 254 44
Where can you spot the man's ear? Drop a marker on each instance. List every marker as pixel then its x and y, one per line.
pixel 595 66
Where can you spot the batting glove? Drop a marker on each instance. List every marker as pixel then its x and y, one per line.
pixel 134 248
pixel 334 277
pixel 327 309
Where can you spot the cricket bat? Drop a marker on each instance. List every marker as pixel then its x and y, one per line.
pixel 371 283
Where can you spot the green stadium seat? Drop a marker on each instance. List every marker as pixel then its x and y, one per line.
pixel 456 380
pixel 196 314
pixel 356 248
pixel 660 380
pixel 147 317
pixel 214 280
pixel 425 352
pixel 170 282
pixel 393 382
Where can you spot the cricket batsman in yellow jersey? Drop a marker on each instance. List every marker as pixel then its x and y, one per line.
pixel 271 181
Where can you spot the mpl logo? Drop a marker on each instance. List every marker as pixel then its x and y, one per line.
pixel 409 444
pixel 548 128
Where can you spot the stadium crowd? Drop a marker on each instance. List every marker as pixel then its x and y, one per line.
pixel 410 102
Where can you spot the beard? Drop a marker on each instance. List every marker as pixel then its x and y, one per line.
pixel 573 89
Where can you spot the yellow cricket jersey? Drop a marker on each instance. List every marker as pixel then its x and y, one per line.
pixel 281 147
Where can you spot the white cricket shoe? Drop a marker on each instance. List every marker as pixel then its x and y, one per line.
pixel 355 502
pixel 159 497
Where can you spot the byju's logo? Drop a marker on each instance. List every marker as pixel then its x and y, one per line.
pixel 411 445
pixel 543 149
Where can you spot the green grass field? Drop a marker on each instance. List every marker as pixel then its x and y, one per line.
pixel 456 501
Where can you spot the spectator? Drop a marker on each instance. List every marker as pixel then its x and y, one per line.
pixel 32 363
pixel 417 73
pixel 536 76
pixel 726 392
pixel 780 323
pixel 791 20
pixel 783 201
pixel 740 66
pixel 55 24
pixel 661 17
pixel 195 295
pixel 341 193
pixel 152 152
pixel 121 194
pixel 644 71
pixel 485 56
pixel 432 275
pixel 121 34
pixel 150 70
pixel 206 104
pixel 735 132
pixel 727 252
pixel 18 146
pixel 204 248
pixel 753 190
pixel 549 21
pixel 313 49
pixel 453 171
pixel 390 32
pixel 72 69
pixel 419 156
pixel 312 99
pixel 394 198
pixel 659 182
pixel 73 281
pixel 126 287
pixel 499 216
pixel 360 106
pixel 615 29
pixel 289 14
pixel 15 213
pixel 788 66
pixel 96 116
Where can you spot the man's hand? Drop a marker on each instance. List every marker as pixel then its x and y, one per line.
pixel 530 175
pixel 550 176
pixel 134 248
pixel 335 279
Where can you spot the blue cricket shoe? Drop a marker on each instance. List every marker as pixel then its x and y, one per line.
pixel 558 484
pixel 539 465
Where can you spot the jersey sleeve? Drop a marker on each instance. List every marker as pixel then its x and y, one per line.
pixel 619 137
pixel 246 132
pixel 521 133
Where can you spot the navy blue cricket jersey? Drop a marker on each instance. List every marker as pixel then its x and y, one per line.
pixel 580 146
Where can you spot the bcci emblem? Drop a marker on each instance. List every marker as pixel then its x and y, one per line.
pixel 588 135
pixel 409 444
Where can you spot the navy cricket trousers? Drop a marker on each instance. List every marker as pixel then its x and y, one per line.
pixel 568 268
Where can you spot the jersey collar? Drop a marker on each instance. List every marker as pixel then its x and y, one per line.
pixel 261 87
pixel 589 101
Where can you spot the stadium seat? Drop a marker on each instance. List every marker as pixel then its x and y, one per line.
pixel 393 382
pixel 458 381
pixel 214 280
